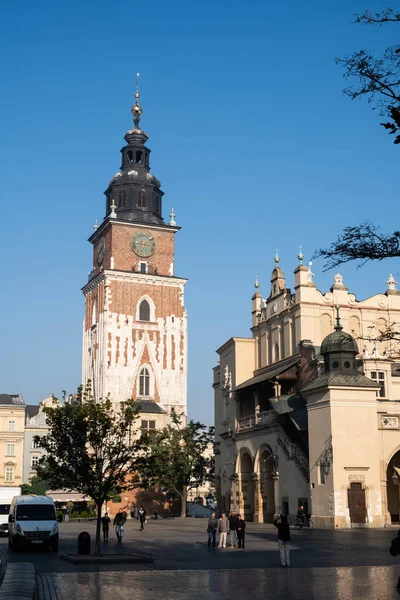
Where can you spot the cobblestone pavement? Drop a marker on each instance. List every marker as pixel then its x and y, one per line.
pixel 326 565
pixel 343 583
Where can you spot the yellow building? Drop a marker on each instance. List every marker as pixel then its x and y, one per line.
pixel 299 420
pixel 12 421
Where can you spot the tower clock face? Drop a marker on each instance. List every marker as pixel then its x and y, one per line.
pixel 143 244
pixel 101 250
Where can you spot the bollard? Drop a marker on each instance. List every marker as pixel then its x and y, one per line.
pixel 84 543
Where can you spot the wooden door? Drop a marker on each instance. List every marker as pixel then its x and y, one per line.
pixel 357 503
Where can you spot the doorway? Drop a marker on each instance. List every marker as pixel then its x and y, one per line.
pixel 357 503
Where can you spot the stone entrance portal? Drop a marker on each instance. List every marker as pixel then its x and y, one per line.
pixel 357 503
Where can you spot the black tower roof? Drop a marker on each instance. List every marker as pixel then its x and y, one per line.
pixel 134 190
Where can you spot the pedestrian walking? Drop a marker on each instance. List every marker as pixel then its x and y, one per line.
pixel 233 529
pixel 223 526
pixel 119 522
pixel 155 514
pixel 142 517
pixel 212 529
pixel 241 528
pixel 283 540
pixel 66 516
pixel 105 523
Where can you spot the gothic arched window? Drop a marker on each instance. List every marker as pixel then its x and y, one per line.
pixel 142 199
pixel 144 311
pixel 144 382
pixel 130 156
pixel 122 198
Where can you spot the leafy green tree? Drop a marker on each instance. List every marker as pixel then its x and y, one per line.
pixel 91 447
pixel 378 76
pixel 36 486
pixel 176 458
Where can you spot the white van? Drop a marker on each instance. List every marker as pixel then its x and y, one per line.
pixel 7 493
pixel 32 521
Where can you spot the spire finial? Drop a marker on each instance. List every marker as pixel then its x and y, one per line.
pixel 338 326
pixel 256 283
pixel 96 225
pixel 136 109
pixel 391 282
pixel 113 214
pixel 276 259
pixel 300 256
pixel 172 216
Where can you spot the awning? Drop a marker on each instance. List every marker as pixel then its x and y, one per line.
pixel 272 371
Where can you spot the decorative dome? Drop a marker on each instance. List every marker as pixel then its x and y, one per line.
pixel 339 341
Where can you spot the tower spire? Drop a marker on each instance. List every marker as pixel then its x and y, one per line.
pixel 136 109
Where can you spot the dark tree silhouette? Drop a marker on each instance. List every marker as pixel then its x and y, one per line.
pixel 379 77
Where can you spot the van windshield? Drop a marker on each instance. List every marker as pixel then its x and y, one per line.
pixel 4 509
pixel 35 512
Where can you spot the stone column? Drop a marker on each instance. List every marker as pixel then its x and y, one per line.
pixel 277 494
pixel 258 516
pixel 256 397
pixel 233 489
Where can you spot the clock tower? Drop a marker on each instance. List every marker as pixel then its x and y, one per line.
pixel 135 326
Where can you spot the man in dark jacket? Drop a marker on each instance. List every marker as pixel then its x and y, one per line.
pixel 283 540
pixel 142 517
pixel 232 529
pixel 212 529
pixel 105 522
pixel 119 522
pixel 241 527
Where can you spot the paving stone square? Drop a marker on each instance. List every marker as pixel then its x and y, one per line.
pixel 326 565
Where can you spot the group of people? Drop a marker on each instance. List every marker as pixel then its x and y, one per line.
pixel 119 522
pixel 234 525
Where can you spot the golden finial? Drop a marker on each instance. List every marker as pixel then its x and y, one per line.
pixel 136 108
pixel 137 95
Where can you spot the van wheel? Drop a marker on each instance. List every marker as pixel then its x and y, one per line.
pixel 55 547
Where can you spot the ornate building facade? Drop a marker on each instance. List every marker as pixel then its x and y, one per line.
pixel 135 326
pixel 297 423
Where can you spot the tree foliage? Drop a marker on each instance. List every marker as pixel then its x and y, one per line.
pixel 36 486
pixel 379 77
pixel 90 447
pixel 361 243
pixel 175 458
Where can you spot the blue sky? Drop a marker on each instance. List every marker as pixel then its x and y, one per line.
pixel 255 146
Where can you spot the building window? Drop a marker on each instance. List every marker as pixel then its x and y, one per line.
pixel 11 425
pixel 143 269
pixel 144 311
pixel 122 201
pixel 148 425
pixel 35 461
pixel 144 382
pixel 142 199
pixel 379 377
pixel 138 157
pixel 276 352
pixel 130 156
pixel 9 478
pixel 321 475
pixel 35 444
pixel 10 449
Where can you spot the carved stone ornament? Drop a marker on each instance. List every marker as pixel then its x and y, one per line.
pixel 382 301
pixel 390 422
pixel 338 279
pixel 226 383
pixel 357 479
